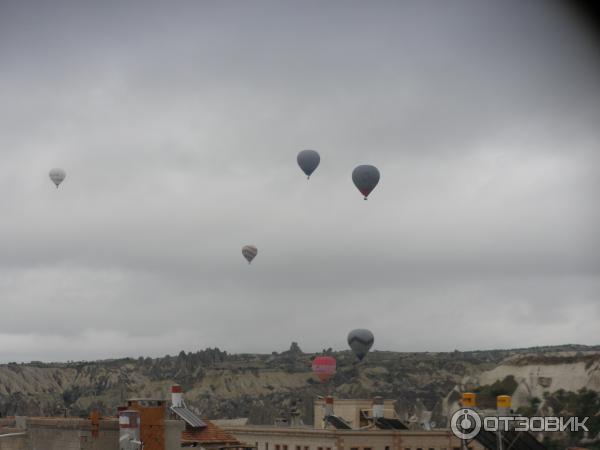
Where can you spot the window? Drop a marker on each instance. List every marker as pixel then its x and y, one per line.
pixel 285 447
pixel 266 446
pixel 298 447
pixel 387 447
pixel 277 447
pixel 367 448
pixel 353 448
pixel 431 448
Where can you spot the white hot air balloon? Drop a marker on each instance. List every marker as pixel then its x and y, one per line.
pixel 249 252
pixel 57 176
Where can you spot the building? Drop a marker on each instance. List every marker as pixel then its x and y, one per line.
pixel 349 425
pixel 277 438
pixel 73 433
pixel 374 425
pixel 151 424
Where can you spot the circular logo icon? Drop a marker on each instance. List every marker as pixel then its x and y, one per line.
pixel 465 423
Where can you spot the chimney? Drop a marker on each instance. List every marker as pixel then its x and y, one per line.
pixel 176 396
pixel 151 422
pixel 328 409
pixel 378 407
pixel 295 419
pixel 129 430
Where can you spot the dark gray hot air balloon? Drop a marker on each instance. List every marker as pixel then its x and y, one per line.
pixel 249 252
pixel 365 178
pixel 308 160
pixel 360 341
pixel 57 176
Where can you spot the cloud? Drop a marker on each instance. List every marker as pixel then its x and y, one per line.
pixel 178 127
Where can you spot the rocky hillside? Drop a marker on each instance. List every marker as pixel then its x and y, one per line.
pixel 262 387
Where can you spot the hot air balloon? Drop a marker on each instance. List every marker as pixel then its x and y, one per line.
pixel 249 252
pixel 308 160
pixel 365 178
pixel 324 367
pixel 57 176
pixel 360 341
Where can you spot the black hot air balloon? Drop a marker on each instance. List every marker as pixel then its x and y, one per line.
pixel 365 178
pixel 308 160
pixel 360 341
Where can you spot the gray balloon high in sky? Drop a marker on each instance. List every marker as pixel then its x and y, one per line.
pixel 365 178
pixel 360 341
pixel 308 160
pixel 249 252
pixel 57 176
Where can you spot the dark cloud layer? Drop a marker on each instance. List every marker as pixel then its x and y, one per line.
pixel 178 124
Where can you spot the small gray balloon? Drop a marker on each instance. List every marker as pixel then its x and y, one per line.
pixel 308 160
pixel 57 176
pixel 365 178
pixel 249 252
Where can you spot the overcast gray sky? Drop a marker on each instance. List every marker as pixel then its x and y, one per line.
pixel 178 124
